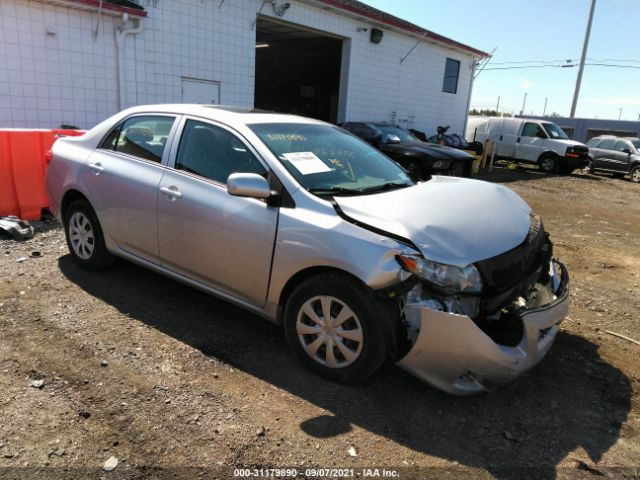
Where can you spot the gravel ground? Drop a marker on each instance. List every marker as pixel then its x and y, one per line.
pixel 176 384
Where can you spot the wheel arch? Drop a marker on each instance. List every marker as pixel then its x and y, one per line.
pixel 547 153
pixel 388 306
pixel 305 274
pixel 69 197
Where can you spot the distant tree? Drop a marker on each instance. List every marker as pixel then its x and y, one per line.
pixel 489 113
pixel 555 114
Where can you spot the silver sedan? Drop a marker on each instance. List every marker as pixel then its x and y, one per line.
pixel 310 227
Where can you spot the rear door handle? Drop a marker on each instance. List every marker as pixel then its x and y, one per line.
pixel 96 167
pixel 171 192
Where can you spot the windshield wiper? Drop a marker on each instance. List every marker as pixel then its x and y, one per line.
pixel 386 186
pixel 335 191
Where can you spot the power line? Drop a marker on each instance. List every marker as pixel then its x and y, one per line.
pixel 563 66
pixel 567 60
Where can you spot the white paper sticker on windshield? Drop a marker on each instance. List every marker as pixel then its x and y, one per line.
pixel 306 162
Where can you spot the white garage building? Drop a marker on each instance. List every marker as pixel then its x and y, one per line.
pixel 78 61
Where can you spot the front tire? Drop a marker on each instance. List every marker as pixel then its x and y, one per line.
pixel 84 236
pixel 588 169
pixel 336 327
pixel 549 163
pixel 634 176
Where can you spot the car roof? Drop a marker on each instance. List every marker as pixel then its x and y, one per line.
pixel 224 113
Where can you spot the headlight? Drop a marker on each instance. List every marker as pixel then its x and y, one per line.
pixel 449 278
pixel 440 164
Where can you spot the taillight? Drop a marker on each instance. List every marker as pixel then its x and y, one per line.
pixel 48 157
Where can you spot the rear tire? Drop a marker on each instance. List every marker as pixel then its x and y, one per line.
pixel 549 163
pixel 84 236
pixel 349 347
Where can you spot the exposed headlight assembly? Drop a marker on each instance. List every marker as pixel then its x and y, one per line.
pixel 448 278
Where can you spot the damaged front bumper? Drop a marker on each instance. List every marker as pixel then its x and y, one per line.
pixel 454 354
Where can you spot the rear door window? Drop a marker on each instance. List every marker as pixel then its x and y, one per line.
pixel 593 142
pixel 142 136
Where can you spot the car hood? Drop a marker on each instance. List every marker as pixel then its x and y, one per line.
pixel 570 143
pixel 451 220
pixel 437 151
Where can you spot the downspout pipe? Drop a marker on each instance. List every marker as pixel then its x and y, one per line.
pixel 121 34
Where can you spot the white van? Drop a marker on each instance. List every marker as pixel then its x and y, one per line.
pixel 534 141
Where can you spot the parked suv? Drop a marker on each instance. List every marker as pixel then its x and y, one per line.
pixel 616 155
pixel 419 158
pixel 310 227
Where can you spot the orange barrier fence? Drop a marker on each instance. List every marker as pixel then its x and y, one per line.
pixel 22 168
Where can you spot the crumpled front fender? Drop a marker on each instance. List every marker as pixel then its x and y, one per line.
pixel 452 353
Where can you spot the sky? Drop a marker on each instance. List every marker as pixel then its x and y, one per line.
pixel 550 31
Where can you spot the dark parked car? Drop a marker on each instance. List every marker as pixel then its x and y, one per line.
pixel 616 155
pixel 420 159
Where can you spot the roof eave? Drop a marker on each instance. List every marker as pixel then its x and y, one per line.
pixel 418 32
pixel 94 6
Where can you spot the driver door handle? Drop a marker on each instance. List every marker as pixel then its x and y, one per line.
pixel 172 192
pixel 96 167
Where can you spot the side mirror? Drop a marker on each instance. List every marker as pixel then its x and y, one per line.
pixel 250 185
pixel 541 134
pixel 626 150
pixel 390 138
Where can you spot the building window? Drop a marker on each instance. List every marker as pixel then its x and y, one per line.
pixel 451 71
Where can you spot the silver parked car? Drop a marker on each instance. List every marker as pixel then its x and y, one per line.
pixel 310 227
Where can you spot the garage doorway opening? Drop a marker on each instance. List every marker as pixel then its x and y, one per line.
pixel 297 70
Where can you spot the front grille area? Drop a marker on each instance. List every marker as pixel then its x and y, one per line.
pixel 506 270
pixel 581 150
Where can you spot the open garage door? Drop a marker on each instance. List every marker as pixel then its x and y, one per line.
pixel 297 70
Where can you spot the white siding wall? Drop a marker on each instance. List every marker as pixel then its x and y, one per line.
pixel 69 77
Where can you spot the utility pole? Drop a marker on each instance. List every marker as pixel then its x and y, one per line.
pixel 620 114
pixel 585 46
pixel 545 107
pixel 498 105
pixel 524 103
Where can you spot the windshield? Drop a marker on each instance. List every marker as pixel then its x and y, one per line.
pixel 327 160
pixel 402 134
pixel 554 131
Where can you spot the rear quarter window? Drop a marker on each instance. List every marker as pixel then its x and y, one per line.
pixel 141 136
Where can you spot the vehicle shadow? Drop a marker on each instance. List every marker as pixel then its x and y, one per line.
pixel 572 399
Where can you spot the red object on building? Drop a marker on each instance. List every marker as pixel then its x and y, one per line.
pixel 23 164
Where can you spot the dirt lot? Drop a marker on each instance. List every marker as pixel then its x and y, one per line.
pixel 161 376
